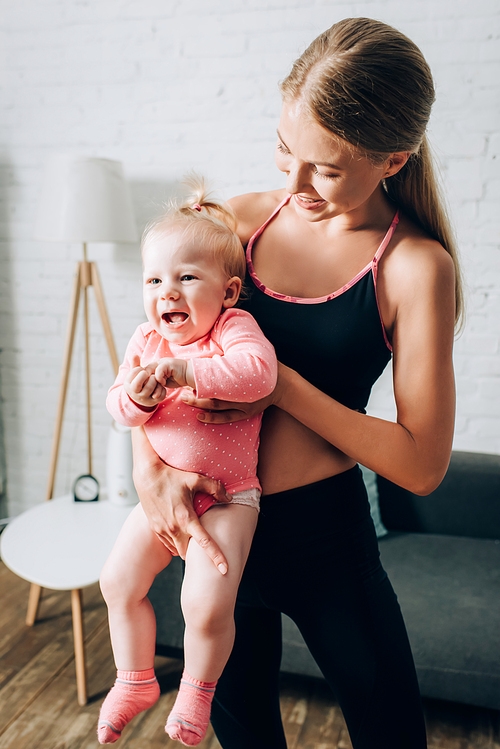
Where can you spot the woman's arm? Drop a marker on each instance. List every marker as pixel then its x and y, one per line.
pixel 414 452
pixel 166 495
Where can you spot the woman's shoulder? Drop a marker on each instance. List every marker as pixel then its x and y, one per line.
pixel 416 266
pixel 253 209
pixel 414 250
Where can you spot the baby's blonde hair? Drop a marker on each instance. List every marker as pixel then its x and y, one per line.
pixel 213 223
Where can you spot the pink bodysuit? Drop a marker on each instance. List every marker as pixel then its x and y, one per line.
pixel 233 362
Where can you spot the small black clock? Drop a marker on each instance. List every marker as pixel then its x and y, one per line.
pixel 86 488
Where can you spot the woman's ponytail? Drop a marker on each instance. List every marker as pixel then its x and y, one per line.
pixel 417 191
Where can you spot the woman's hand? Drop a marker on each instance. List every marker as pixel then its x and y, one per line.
pixel 222 412
pixel 214 411
pixel 166 495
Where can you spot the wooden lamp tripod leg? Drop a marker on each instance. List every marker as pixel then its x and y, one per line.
pixel 86 275
pixel 99 297
pixel 68 351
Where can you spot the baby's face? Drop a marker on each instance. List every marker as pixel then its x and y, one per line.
pixel 185 290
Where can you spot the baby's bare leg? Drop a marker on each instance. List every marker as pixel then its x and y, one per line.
pixel 208 599
pixel 136 558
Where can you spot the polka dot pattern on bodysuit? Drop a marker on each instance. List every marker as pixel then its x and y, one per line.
pixel 233 362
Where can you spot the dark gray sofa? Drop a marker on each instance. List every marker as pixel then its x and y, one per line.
pixel 442 553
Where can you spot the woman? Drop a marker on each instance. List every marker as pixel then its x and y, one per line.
pixel 351 263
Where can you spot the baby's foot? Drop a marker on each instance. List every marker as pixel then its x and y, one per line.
pixel 133 692
pixel 190 714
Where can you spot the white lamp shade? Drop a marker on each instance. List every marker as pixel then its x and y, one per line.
pixel 85 200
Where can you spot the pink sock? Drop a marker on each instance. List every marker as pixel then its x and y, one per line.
pixel 133 692
pixel 190 714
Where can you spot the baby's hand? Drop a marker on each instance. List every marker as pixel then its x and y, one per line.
pixel 142 386
pixel 174 373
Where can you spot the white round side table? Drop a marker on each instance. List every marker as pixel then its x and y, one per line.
pixel 62 545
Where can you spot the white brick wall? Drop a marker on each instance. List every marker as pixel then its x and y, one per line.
pixel 167 86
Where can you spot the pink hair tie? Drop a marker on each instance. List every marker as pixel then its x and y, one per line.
pixel 197 207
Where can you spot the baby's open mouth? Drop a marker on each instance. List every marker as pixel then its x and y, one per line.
pixel 174 318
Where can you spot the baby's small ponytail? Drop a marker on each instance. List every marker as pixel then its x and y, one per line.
pixel 201 201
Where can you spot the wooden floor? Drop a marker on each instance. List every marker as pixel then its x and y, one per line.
pixel 38 707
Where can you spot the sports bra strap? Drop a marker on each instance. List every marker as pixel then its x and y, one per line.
pixel 386 239
pixel 257 234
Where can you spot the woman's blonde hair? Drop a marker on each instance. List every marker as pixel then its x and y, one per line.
pixel 368 84
pixel 213 223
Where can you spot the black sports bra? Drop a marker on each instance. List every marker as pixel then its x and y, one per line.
pixel 336 342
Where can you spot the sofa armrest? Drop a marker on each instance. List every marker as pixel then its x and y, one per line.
pixel 467 502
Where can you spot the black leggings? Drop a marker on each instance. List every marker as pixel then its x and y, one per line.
pixel 315 558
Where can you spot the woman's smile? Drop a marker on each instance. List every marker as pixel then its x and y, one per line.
pixel 309 203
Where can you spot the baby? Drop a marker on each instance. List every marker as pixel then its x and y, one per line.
pixel 195 338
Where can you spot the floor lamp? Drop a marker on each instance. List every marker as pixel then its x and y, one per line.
pixel 83 200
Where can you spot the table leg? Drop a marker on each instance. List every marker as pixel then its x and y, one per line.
pixel 33 601
pixel 81 681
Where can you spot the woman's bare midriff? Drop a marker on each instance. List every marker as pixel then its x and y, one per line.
pixel 291 455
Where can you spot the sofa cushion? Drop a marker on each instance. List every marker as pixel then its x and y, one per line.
pixel 449 591
pixel 464 504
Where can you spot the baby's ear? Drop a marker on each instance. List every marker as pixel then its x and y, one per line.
pixel 233 288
